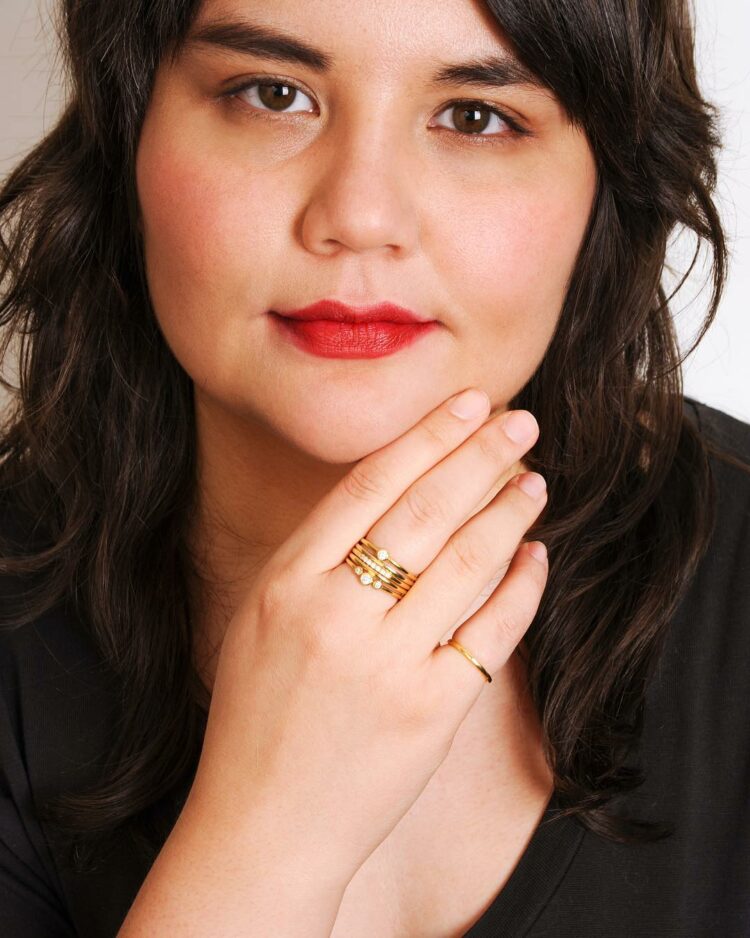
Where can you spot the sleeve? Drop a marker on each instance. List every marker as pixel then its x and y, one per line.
pixel 30 905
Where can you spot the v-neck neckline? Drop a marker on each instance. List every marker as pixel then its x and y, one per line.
pixel 534 879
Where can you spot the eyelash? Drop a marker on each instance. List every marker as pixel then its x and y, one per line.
pixel 515 129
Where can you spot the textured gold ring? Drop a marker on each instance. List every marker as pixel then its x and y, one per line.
pixel 375 567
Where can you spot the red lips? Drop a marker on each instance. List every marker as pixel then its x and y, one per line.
pixel 332 329
pixel 336 311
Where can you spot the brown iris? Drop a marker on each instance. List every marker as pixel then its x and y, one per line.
pixel 468 119
pixel 275 94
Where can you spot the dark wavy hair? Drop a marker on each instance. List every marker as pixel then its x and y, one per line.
pixel 97 443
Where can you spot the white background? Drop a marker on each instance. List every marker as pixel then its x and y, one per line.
pixel 718 372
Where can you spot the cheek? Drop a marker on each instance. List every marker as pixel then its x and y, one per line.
pixel 524 247
pixel 203 243
pixel 517 248
pixel 511 254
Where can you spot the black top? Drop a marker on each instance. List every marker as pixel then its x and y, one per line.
pixel 56 716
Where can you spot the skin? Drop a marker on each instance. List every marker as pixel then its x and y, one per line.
pixel 366 189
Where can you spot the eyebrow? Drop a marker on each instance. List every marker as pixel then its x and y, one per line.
pixel 497 71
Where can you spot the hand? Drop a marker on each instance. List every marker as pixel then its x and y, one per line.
pixel 333 703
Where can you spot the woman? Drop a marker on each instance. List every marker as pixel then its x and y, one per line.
pixel 210 724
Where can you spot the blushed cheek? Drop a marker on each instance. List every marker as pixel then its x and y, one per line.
pixel 201 228
pixel 191 224
pixel 528 247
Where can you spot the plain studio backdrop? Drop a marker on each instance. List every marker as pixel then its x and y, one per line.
pixel 718 372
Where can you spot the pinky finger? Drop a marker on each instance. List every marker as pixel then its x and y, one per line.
pixel 493 632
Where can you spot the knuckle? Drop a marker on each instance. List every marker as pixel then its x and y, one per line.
pixel 271 589
pixel 279 607
pixel 491 443
pixel 425 504
pixel 468 555
pixel 499 576
pixel 508 623
pixel 437 435
pixel 366 482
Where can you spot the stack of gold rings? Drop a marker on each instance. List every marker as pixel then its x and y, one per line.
pixel 375 567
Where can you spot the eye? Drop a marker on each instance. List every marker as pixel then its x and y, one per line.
pixel 272 95
pixel 277 95
pixel 472 118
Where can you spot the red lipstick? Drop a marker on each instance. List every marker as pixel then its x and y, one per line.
pixel 333 329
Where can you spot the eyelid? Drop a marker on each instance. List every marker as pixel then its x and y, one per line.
pixel 243 84
pixel 516 128
pixel 515 125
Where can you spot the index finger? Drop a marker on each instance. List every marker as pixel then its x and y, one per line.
pixel 375 482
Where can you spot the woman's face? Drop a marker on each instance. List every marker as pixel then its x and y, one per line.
pixel 369 182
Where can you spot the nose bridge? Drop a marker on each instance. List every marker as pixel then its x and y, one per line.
pixel 367 136
pixel 368 116
pixel 361 189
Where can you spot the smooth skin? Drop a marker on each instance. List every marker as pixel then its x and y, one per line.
pixel 365 190
pixel 332 708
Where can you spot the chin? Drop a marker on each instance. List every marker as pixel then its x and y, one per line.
pixel 340 439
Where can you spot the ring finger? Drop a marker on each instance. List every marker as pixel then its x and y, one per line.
pixel 478 552
pixel 423 519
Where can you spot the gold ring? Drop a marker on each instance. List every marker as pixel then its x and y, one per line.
pixel 467 654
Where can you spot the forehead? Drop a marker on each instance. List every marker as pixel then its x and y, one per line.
pixel 456 43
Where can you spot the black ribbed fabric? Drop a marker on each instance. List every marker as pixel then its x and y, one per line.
pixel 57 717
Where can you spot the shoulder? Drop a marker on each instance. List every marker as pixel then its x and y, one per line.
pixel 722 430
pixel 710 639
pixel 45 665
pixel 56 693
pixel 51 649
pixel 728 441
pixel 696 738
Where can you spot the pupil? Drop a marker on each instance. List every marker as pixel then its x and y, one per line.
pixel 470 118
pixel 272 96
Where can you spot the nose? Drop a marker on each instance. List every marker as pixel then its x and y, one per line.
pixel 363 197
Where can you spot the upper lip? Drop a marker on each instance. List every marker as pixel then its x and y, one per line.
pixel 342 312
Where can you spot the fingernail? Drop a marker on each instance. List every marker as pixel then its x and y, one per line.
pixel 520 426
pixel 470 403
pixel 538 550
pixel 533 484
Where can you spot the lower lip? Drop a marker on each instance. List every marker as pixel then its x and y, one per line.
pixel 352 340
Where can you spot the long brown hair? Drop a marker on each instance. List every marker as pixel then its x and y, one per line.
pixel 97 446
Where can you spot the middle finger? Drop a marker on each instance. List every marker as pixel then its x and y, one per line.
pixel 424 518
